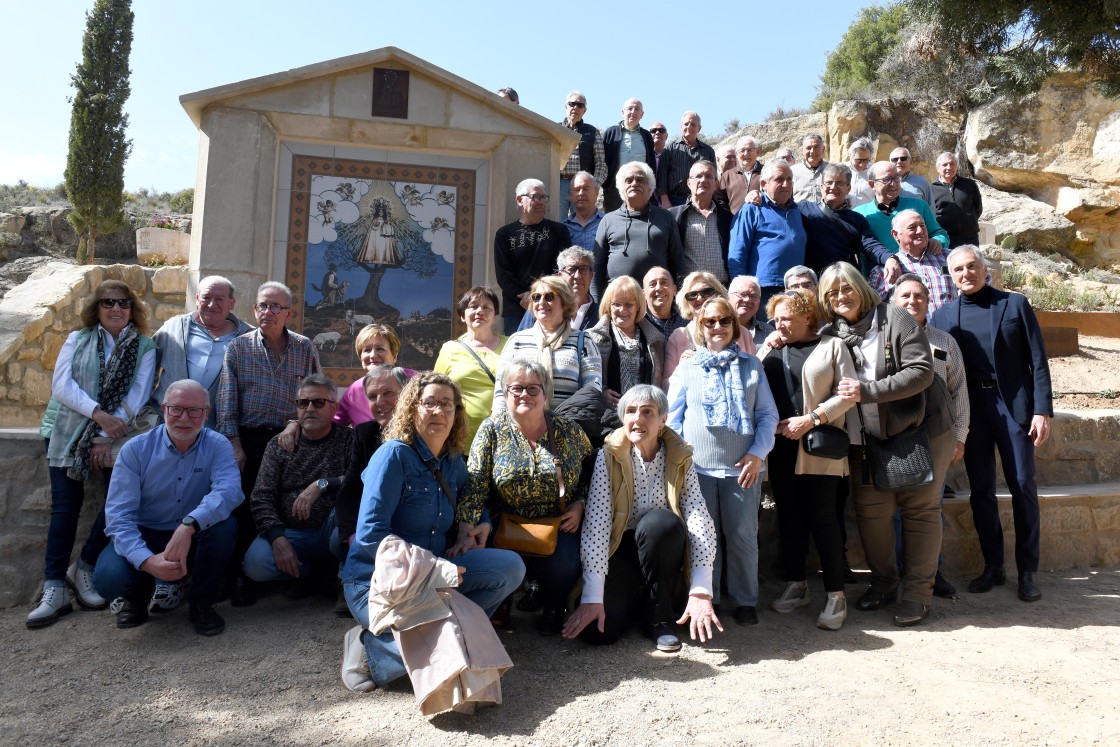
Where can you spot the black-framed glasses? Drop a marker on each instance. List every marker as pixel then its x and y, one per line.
pixel 896 159
pixel 536 198
pixel 517 390
pixel 271 308
pixel 548 297
pixel 658 130
pixel 723 321
pixel 108 303
pixel 577 104
pixel 699 294
pixel 438 405
pixel 577 270
pixel 176 411
pixel 317 402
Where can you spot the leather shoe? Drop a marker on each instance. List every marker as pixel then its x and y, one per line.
pixel 910 613
pixel 551 622
pixel 746 615
pixel 873 600
pixel 942 588
pixel 205 620
pixel 132 614
pixel 243 593
pixel 993 575
pixel 1028 589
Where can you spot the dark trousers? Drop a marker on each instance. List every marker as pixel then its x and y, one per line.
pixel 806 506
pixel 641 576
pixel 992 426
pixel 558 572
pixel 253 442
pixel 67 497
pixel 210 549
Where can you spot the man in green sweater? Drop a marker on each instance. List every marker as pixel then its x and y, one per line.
pixel 889 202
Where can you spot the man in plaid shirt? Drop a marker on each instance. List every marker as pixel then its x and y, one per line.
pixel 917 257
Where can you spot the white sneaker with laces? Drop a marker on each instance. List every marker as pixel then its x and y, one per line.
pixel 834 613
pixel 355 668
pixel 167 596
pixel 54 603
pixel 793 597
pixel 80 581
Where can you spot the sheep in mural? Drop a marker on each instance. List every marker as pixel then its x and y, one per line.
pixel 325 339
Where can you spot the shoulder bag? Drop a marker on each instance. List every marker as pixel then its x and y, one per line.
pixel 899 462
pixel 825 441
pixel 533 537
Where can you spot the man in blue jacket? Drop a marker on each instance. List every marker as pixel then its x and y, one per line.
pixel 1011 403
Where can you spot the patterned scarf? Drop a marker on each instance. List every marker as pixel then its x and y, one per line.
pixel 113 384
pixel 853 334
pixel 549 343
pixel 723 398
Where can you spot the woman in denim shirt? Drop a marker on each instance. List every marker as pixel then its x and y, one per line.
pixel 402 496
pixel 720 403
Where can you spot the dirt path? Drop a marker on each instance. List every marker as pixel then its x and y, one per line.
pixel 986 669
pixel 1080 380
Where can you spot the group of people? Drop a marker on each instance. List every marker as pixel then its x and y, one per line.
pixel 627 438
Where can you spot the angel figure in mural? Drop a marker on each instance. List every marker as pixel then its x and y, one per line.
pixel 327 209
pixel 381 243
pixel 443 197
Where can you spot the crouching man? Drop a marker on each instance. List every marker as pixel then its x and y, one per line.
pixel 168 512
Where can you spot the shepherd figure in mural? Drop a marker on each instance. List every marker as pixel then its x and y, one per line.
pixel 333 289
pixel 381 244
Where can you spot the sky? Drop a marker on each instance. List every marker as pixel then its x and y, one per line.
pixel 740 60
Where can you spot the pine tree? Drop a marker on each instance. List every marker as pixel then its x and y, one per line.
pixel 98 147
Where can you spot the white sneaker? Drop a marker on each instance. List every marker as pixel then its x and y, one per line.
pixel 834 613
pixel 355 667
pixel 54 602
pixel 167 596
pixel 81 582
pixel 793 597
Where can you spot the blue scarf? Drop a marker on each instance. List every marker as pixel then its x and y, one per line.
pixel 723 398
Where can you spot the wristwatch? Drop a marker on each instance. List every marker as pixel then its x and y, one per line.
pixel 322 484
pixel 815 418
pixel 190 521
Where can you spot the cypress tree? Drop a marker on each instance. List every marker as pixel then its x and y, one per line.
pixel 98 146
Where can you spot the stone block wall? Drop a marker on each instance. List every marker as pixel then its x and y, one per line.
pixel 37 316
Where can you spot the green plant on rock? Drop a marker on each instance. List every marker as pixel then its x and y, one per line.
pixel 1053 297
pixel 1088 300
pixel 1014 276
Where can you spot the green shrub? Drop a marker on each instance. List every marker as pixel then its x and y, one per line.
pixel 1014 276
pixel 1089 300
pixel 182 202
pixel 1055 297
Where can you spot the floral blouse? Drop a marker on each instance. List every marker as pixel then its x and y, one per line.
pixel 505 474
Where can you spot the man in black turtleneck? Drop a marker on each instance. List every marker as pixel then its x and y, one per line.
pixel 1011 403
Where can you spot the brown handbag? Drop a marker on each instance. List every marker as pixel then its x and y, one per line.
pixel 533 537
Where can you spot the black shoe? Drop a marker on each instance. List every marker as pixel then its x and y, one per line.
pixel 746 615
pixel 942 588
pixel 873 600
pixel 910 613
pixel 663 637
pixel 341 608
pixel 551 622
pixel 243 593
pixel 132 614
pixel 1028 589
pixel 993 575
pixel 205 620
pixel 502 618
pixel 531 600
pixel 301 588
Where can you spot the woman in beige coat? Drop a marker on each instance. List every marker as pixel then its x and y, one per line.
pixel 804 485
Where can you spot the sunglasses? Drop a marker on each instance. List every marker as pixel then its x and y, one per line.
pixel 318 403
pixel 577 105
pixel 723 321
pixel 696 295
pixel 546 297
pixel 108 303
pixel 896 159
pixel 658 130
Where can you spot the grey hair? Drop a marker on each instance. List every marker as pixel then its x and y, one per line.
pixel 640 394
pixel 785 153
pixel 510 94
pixel 970 249
pixel 525 185
pixel 771 166
pixel 576 93
pixel 726 148
pixel 186 385
pixel 642 166
pixel 813 136
pixel 860 144
pixel 901 147
pixel 527 365
pixel 797 271
pixel 319 380
pixel 944 154
pixel 745 279
pixel 743 138
pixel 909 277
pixel 903 214
pixel 386 369
pixel 573 254
pixel 275 285
pixel 586 175
pixel 212 280
pixel 838 169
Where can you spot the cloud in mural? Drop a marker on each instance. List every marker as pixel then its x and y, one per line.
pixel 432 206
pixel 336 202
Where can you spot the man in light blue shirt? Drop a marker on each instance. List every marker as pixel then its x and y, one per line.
pixel 584 220
pixel 169 485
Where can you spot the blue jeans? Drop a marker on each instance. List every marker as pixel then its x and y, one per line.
pixel 565 198
pixel 491 576
pixel 309 544
pixel 67 496
pixel 734 509
pixel 210 551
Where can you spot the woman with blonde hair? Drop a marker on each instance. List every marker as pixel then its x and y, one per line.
pixel 696 289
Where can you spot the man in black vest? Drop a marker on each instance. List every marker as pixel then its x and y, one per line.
pixel 625 142
pixel 588 156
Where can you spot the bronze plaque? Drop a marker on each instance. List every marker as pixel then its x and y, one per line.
pixel 390 93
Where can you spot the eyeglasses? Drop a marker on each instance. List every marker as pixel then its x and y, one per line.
pixel 577 270
pixel 747 296
pixel 546 297
pixel 318 403
pixel 108 303
pixel 885 179
pixel 176 411
pixel 861 161
pixel 896 159
pixel 658 130
pixel 271 308
pixel 835 185
pixel 438 405
pixel 844 290
pixel 723 321
pixel 699 294
pixel 536 198
pixel 577 104
pixel 517 390
pixel 706 175
pixel 804 285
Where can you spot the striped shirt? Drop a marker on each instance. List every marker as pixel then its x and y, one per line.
pixel 570 371
pixel 258 390
pixel 680 159
pixel 948 363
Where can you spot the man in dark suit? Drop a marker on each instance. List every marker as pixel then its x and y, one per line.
pixel 704 225
pixel 625 142
pixel 1011 403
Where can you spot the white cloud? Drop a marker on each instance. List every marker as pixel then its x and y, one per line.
pixel 336 202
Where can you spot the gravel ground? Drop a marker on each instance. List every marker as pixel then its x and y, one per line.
pixel 986 669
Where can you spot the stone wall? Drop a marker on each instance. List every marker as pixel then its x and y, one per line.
pixel 37 316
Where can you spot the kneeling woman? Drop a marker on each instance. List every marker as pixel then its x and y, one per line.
pixel 406 492
pixel 644 512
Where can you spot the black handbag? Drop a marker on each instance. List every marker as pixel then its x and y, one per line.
pixel 825 441
pixel 899 462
